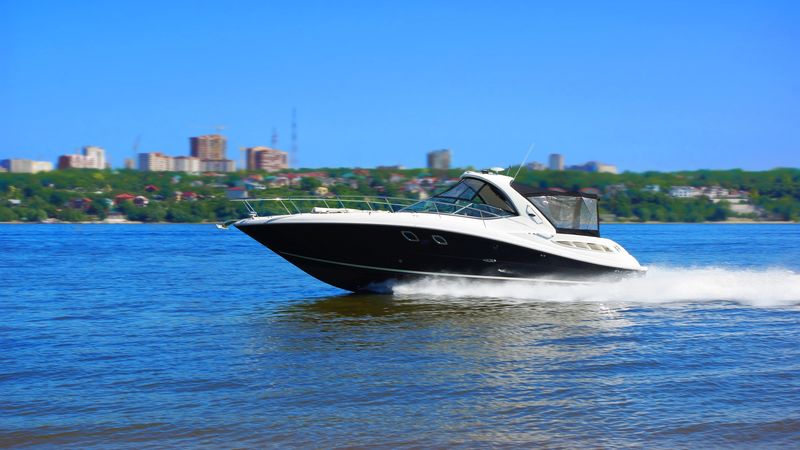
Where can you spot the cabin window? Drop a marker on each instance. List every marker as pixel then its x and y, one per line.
pixel 469 197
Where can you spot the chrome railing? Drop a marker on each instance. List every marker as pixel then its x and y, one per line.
pixel 347 204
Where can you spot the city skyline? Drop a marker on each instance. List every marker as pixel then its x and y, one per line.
pixel 676 86
pixel 208 153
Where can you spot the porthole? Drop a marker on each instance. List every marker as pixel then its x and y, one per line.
pixel 410 236
pixel 439 239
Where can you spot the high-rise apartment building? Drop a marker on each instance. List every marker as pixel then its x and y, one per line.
pixel 210 150
pixel 439 159
pixel 556 161
pixel 265 158
pixel 156 162
pixel 211 146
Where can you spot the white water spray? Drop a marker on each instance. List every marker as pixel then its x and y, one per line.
pixel 770 287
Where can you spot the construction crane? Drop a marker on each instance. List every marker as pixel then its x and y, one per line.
pixel 135 149
pixel 136 143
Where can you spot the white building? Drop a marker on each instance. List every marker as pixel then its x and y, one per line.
pixel 597 166
pixel 714 192
pixel 25 166
pixel 684 192
pixel 156 162
pixel 187 164
pixel 96 153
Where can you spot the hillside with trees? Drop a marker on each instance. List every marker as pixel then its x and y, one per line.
pixel 95 195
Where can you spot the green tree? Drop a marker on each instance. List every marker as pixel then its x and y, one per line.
pixel 59 198
pixel 30 214
pixel 721 212
pixel 7 214
pixel 309 184
pixel 71 215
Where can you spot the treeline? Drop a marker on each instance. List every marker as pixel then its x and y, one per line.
pixel 646 206
pixel 80 195
pixel 775 192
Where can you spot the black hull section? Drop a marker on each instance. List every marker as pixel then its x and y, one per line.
pixel 373 257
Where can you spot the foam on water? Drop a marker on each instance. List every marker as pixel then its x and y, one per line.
pixel 769 287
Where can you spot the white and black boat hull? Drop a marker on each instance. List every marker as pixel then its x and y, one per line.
pixel 373 257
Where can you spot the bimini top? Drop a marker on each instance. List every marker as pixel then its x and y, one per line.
pixel 569 212
pixel 474 196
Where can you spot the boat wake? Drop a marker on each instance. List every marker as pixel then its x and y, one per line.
pixel 770 287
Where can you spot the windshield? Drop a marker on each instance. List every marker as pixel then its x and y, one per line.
pixel 469 197
pixel 569 213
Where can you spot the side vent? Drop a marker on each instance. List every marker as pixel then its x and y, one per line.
pixel 589 246
pixel 411 237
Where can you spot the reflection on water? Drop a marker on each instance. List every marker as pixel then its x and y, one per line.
pixel 479 360
pixel 402 306
pixel 477 328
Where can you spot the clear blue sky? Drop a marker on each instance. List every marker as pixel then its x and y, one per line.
pixel 663 85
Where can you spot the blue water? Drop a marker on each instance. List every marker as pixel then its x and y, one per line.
pixel 116 336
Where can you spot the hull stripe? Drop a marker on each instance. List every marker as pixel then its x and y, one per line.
pixel 437 274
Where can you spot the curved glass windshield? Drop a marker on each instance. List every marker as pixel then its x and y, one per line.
pixel 569 214
pixel 469 197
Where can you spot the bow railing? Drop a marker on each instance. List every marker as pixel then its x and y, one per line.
pixel 352 204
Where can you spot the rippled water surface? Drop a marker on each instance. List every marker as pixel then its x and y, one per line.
pixel 186 336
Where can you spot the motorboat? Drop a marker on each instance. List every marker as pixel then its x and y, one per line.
pixel 484 227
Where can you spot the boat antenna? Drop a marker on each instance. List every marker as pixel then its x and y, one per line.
pixel 530 149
